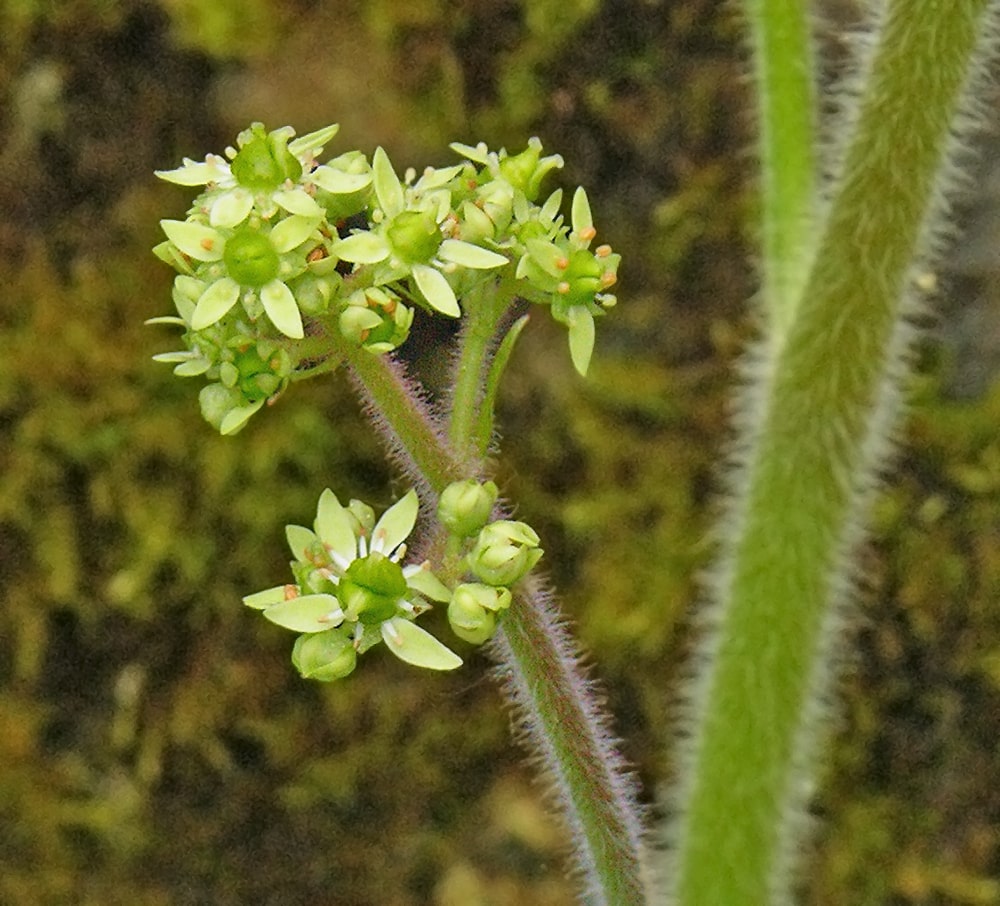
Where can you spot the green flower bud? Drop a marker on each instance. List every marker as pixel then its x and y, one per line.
pixel 324 656
pixel 415 235
pixel 264 161
pixel 504 552
pixel 470 621
pixel 473 610
pixel 465 506
pixel 526 170
pixel 371 589
pixel 250 258
pixel 215 401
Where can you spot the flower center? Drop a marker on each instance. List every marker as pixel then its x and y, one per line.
pixel 265 162
pixel 415 235
pixel 250 258
pixel 371 588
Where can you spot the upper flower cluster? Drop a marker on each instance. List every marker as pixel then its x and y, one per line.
pixel 277 240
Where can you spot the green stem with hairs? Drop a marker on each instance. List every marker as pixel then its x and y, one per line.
pixel 483 310
pixel 785 83
pixel 536 661
pixel 820 415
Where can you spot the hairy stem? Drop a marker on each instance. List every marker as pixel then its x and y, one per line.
pixel 784 75
pixel 817 425
pixel 552 699
pixel 484 309
pixel 560 720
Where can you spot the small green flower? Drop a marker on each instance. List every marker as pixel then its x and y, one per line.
pixel 268 172
pixel 407 238
pixel 572 278
pixel 353 588
pixel 376 319
pixel 524 171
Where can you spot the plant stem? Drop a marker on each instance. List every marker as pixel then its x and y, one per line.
pixel 559 717
pixel 784 78
pixel 820 420
pixel 483 309
pixel 552 700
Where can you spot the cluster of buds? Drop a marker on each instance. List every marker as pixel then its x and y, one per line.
pixel 279 249
pixel 353 588
pixel 498 554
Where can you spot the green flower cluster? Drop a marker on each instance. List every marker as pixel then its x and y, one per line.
pixel 352 589
pixel 278 250
pixel 496 553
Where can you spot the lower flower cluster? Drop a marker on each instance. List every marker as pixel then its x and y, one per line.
pixel 353 588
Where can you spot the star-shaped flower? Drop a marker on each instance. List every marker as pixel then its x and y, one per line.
pixel 266 171
pixel 352 585
pixel 407 239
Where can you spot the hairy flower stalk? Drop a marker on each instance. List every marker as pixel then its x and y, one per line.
pixel 817 424
pixel 554 703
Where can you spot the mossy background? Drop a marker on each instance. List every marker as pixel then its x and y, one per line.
pixel 155 744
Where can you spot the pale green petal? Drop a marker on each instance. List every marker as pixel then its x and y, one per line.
pixel 166 319
pixel 312 143
pixel 236 419
pixel 423 581
pixel 186 292
pixel 333 526
pixel 172 358
pixel 215 303
pixel 193 368
pixel 476 220
pixel 300 540
pixel 298 201
pixel 231 209
pixel 396 523
pixel 308 613
pixel 292 232
pixel 581 216
pixel 362 248
pixel 547 255
pixel 436 290
pixel 337 182
pixel 194 239
pixel 469 255
pixel 214 169
pixel 551 206
pixel 434 178
pixel 266 598
pixel 479 153
pixel 279 303
pixel 412 644
pixel 581 337
pixel 388 188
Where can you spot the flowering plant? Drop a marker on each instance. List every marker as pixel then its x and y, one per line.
pixel 288 268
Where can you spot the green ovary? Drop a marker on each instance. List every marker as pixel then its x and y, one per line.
pixel 371 588
pixel 415 235
pixel 250 258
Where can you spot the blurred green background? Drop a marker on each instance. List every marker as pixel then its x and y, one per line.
pixel 155 744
